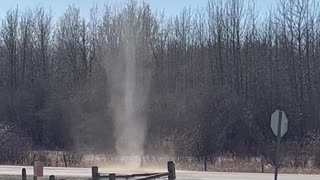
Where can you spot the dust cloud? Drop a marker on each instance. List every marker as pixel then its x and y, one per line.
pixel 129 92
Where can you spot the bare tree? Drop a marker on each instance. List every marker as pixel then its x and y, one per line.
pixel 9 35
pixel 43 29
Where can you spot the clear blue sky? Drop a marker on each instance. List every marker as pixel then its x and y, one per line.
pixel 170 7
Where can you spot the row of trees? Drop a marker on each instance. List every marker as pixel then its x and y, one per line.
pixel 216 74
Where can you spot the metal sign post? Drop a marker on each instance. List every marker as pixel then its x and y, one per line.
pixel 278 146
pixel 279 126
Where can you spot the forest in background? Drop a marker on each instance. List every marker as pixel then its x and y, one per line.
pixel 217 74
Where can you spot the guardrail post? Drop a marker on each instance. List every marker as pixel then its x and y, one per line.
pixel 95 173
pixel 51 177
pixel 24 174
pixel 171 171
pixel 112 176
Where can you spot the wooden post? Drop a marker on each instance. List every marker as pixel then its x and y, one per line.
pixel 112 176
pixel 24 174
pixel 37 170
pixel 34 159
pixel 65 160
pixel 262 163
pixel 33 164
pixel 141 162
pixel 51 177
pixel 95 173
pixel 171 170
pixel 205 163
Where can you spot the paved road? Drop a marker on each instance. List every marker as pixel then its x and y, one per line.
pixel 181 175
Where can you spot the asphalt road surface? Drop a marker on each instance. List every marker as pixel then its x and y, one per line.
pixel 181 175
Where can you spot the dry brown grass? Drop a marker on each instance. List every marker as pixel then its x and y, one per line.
pixel 223 163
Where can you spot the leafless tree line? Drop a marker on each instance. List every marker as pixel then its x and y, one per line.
pixel 217 74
